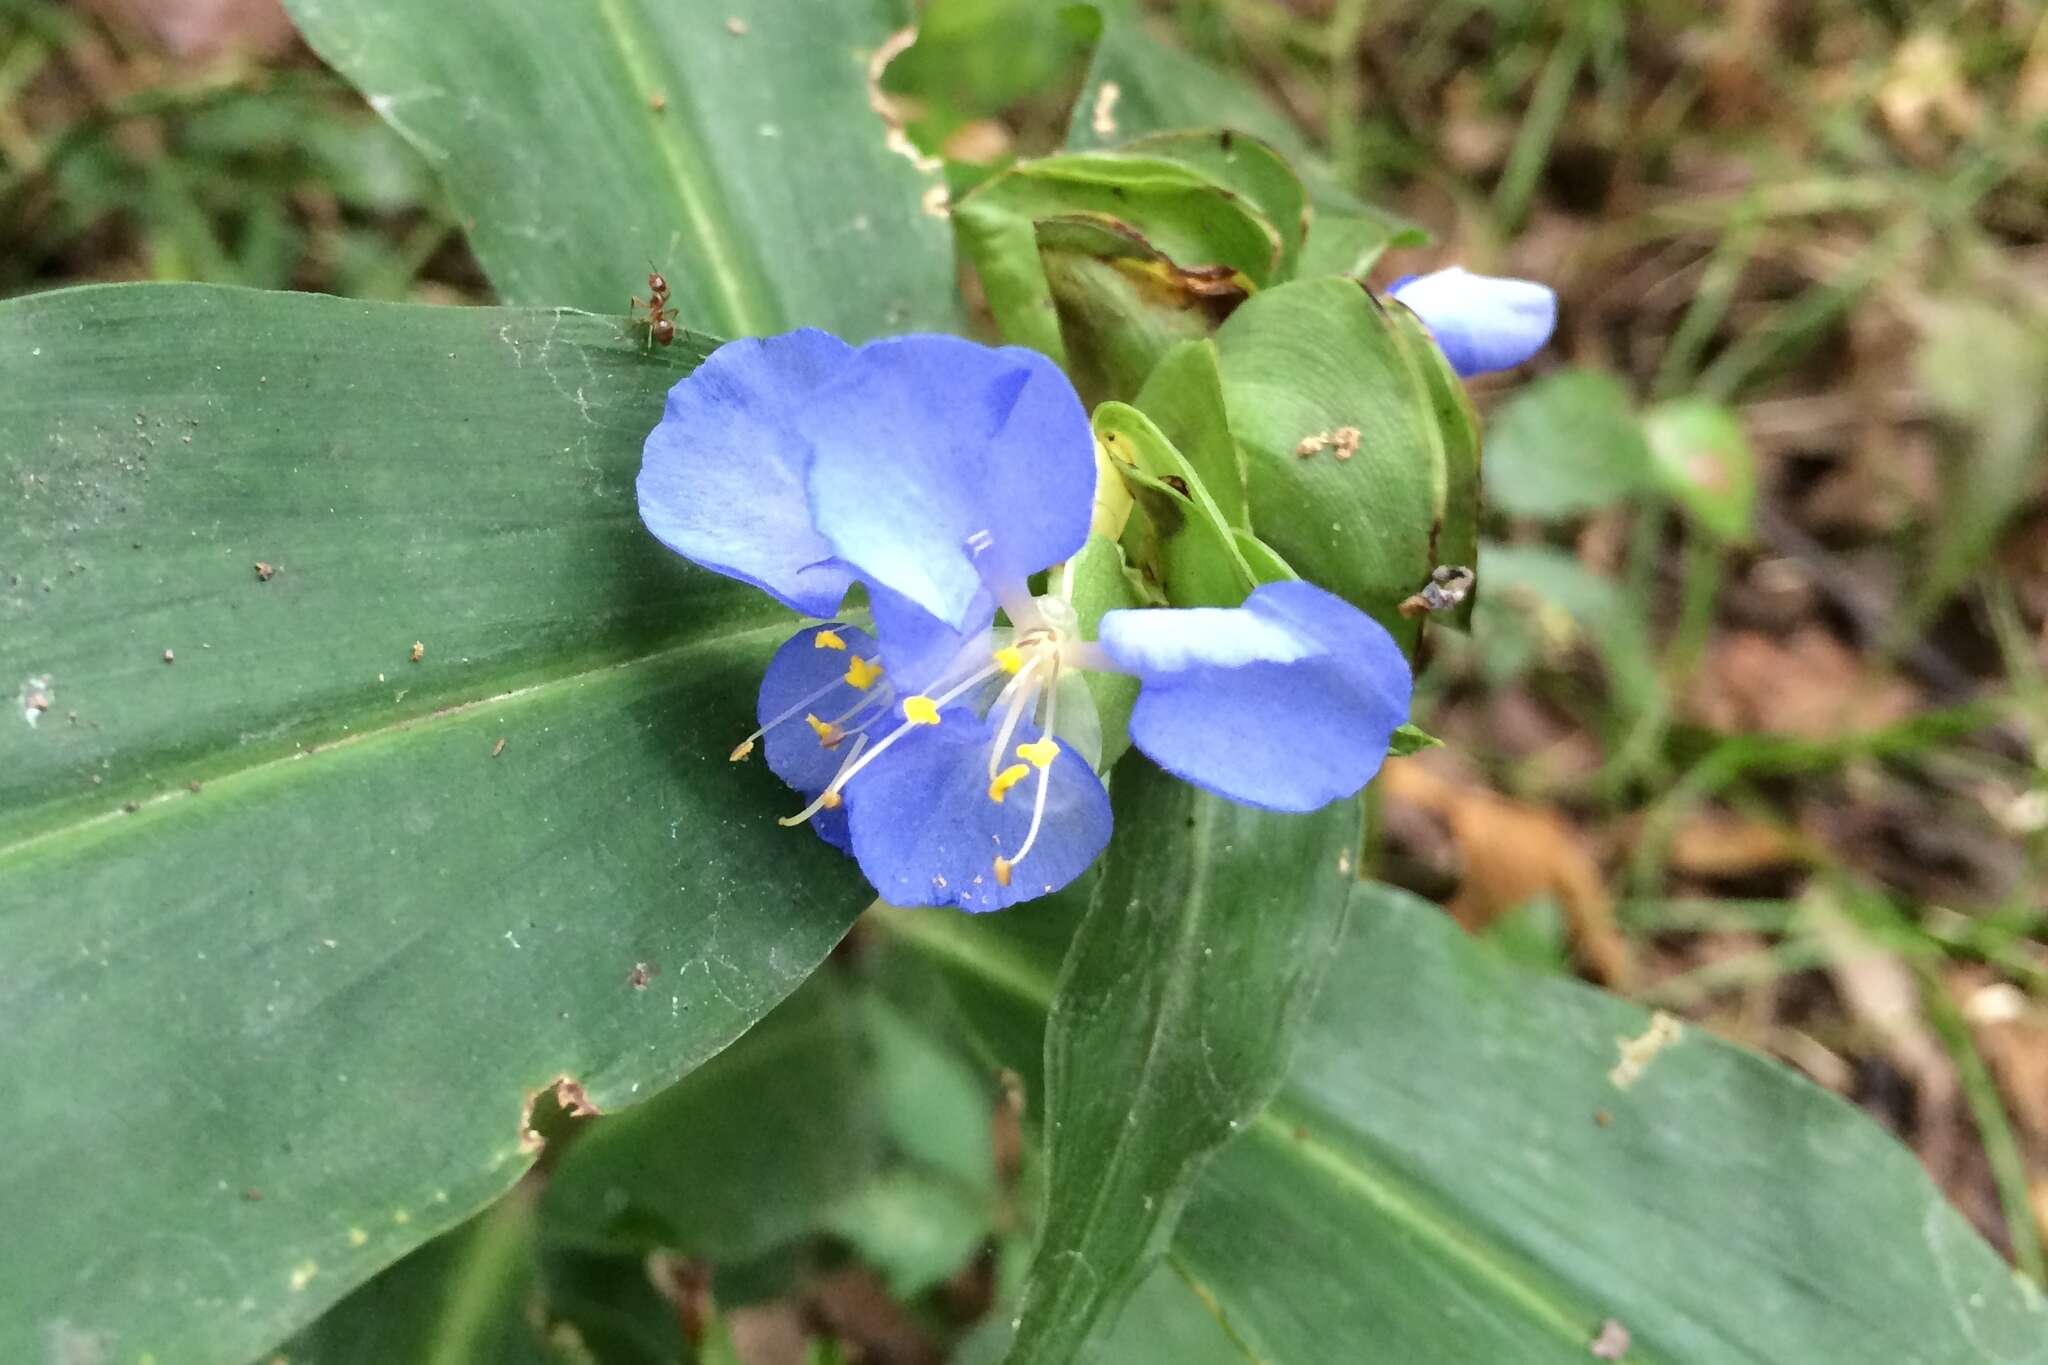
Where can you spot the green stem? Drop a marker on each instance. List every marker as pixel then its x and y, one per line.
pixel 1547 106
pixel 1994 1129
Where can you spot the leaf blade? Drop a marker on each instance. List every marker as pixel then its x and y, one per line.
pixel 735 148
pixel 1150 1072
pixel 306 1006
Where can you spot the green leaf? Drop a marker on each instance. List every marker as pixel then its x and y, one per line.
pixel 460 1298
pixel 1568 443
pixel 1457 540
pixel 1186 986
pixel 1102 583
pixel 587 141
pixel 1352 243
pixel 1411 739
pixel 1104 261
pixel 974 59
pixel 1184 542
pixel 301 1010
pixel 1985 366
pixel 1184 396
pixel 1307 360
pixel 1137 85
pixel 925 1217
pixel 1450 1125
pixel 1704 462
pixel 1245 166
pixel 742 1155
pixel 1540 597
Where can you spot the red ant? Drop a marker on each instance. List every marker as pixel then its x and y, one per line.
pixel 661 328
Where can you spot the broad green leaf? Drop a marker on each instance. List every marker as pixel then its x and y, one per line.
pixel 1452 1174
pixel 732 146
pixel 1306 361
pixel 1568 443
pixel 1184 396
pixel 1704 462
pixel 1172 1020
pixel 974 59
pixel 926 1216
pixel 464 1297
pixel 743 1155
pixel 1162 1324
pixel 295 1017
pixel 1182 536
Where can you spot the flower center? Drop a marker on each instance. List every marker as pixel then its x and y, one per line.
pixel 1042 647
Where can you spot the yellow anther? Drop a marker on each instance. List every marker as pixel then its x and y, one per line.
pixel 1010 658
pixel 861 672
pixel 920 711
pixel 1006 779
pixel 827 639
pixel 1003 866
pixel 831 801
pixel 745 747
pixel 828 734
pixel 1041 753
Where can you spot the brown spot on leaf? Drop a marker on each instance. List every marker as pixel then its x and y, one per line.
pixel 567 1096
pixel 1612 1343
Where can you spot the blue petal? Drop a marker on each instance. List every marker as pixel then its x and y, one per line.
pixel 1482 322
pixel 940 466
pixel 799 671
pixel 926 832
pixel 1287 702
pixel 831 826
pixel 722 475
pixel 920 650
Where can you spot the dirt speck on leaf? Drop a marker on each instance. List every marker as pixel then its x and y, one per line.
pixel 1103 119
pixel 1638 1053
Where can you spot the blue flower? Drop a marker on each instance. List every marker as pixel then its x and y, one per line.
pixel 1482 322
pixel 957 761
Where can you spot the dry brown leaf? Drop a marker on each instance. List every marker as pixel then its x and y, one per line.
pixel 1883 998
pixel 1715 843
pixel 198 29
pixel 1513 853
pixel 2013 1036
pixel 1809 685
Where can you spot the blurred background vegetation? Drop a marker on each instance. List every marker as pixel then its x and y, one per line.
pixel 1753 721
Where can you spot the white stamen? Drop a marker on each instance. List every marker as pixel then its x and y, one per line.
pixel 1019 696
pixel 793 712
pixel 1052 702
pixel 856 761
pixel 826 795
